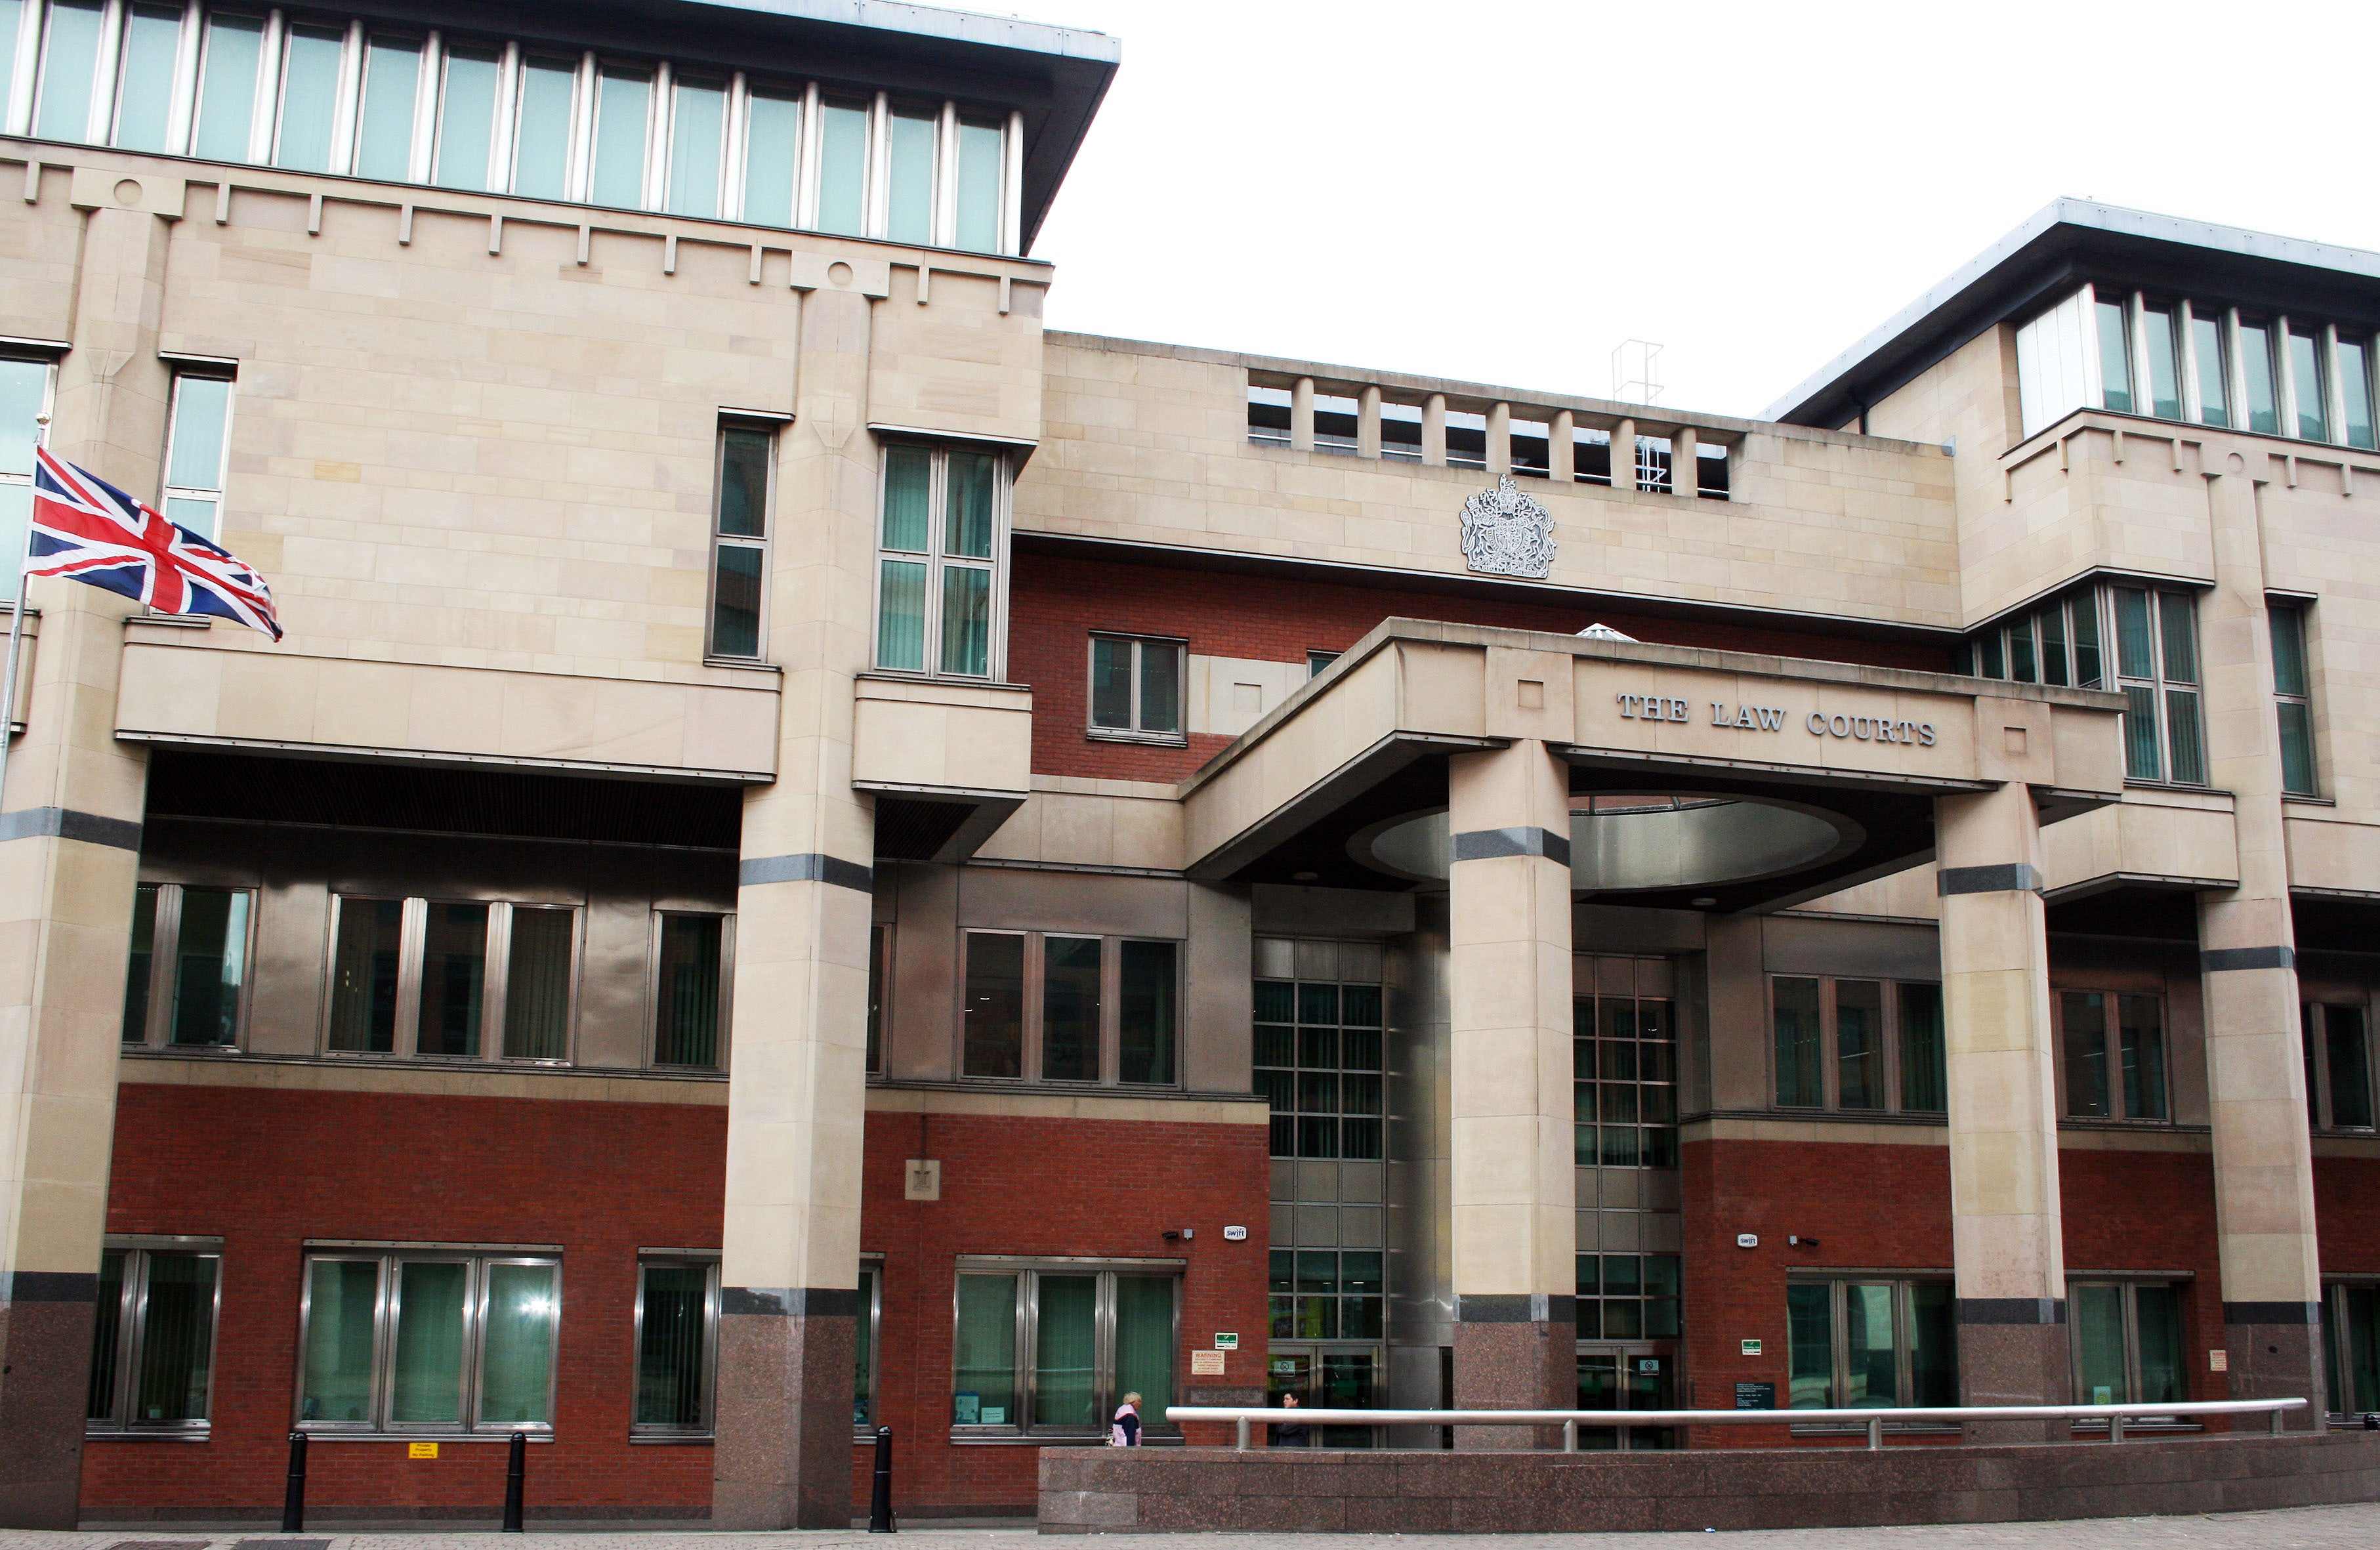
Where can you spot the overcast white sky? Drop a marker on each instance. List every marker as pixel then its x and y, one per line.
pixel 1501 191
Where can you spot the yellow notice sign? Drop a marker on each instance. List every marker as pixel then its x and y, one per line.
pixel 421 1451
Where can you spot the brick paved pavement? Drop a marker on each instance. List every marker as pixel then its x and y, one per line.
pixel 2310 1528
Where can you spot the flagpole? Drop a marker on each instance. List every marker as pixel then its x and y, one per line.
pixel 17 630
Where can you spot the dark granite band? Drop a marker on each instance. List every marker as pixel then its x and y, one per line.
pixel 809 867
pixel 2272 1313
pixel 65 823
pixel 2216 960
pixel 1486 844
pixel 2012 1310
pixel 2014 876
pixel 1534 1308
pixel 52 1286
pixel 790 1301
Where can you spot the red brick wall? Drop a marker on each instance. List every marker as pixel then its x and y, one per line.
pixel 2346 1205
pixel 1888 1208
pixel 1055 602
pixel 267 1170
pixel 1094 1189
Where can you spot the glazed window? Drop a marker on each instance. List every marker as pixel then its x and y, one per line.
pixel 2259 377
pixel 691 962
pixel 2114 1055
pixel 940 604
pixel 2161 349
pixel 450 978
pixel 144 94
pixel 542 124
pixel 1532 445
pixel 1858 1045
pixel 1401 431
pixel 880 974
pixel 230 62
pixel 698 138
pixel 2309 382
pixel 1137 689
pixel 2126 1342
pixel 1711 480
pixel 1624 1065
pixel 871 1342
pixel 1590 455
pixel 2211 368
pixel 186 983
pixel 2115 354
pixel 2154 664
pixel 1051 1347
pixel 2354 357
pixel 428 1340
pixel 1319 1046
pixel 677 1344
pixel 1858 1343
pixel 195 447
pixel 1654 454
pixel 1327 1294
pixel 1466 439
pixel 467 117
pixel 311 71
pixel 1066 1008
pixel 24 394
pixel 70 49
pixel 1628 1297
pixel 1268 416
pixel 2350 1344
pixel 2293 697
pixel 739 558
pixel 2338 1066
pixel 622 104
pixel 391 94
pixel 1316 660
pixel 153 1336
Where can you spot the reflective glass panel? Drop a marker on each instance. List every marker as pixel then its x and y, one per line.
pixel 901 618
pixel 2140 1027
pixel 2164 370
pixel 467 120
pixel 984 1382
pixel 1160 687
pixel 426 1385
pixel 623 105
pixel 1933 1346
pixel 2134 650
pixel 210 966
pixel 542 142
pixel 12 26
pixel 517 1348
pixel 686 1028
pixel 772 152
pixel 342 1304
pixel 1144 1031
pixel 2115 357
pixel 1111 683
pixel 1859 1043
pixel 2297 749
pixel 2098 1323
pixel 136 975
pixel 2350 1066
pixel 2263 391
pixel 363 975
pixel 843 168
pixel 698 143
pixel 2085 1023
pixel 966 620
pixel 974 487
pixel 537 985
pixel 107 1322
pixel 981 159
pixel 385 130
pixel 2083 613
pixel 144 96
pixel 910 213
pixel 454 979
pixel 1070 1008
pixel 2307 382
pixel 201 413
pixel 2142 760
pixel 2185 737
pixel 1810 1339
pixel 1799 1081
pixel 1064 1346
pixel 994 1013
pixel 736 601
pixel 908 498
pixel 672 1345
pixel 2287 625
pixel 177 1339
pixel 24 387
pixel 2052 622
pixel 2355 391
pixel 744 458
pixel 2156 1333
pixel 69 61
pixel 1870 1346
pixel 2214 379
pixel 1924 1088
pixel 234 47
pixel 310 98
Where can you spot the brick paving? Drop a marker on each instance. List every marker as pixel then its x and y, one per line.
pixel 2309 1527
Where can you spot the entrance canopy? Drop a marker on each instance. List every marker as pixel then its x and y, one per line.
pixel 1699 779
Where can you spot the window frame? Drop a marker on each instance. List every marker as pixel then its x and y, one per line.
pixel 1890 1074
pixel 871 1320
pixel 1136 732
pixel 761 544
pixel 131 1334
pixel 165 951
pixel 1590 1083
pixel 652 1039
pixel 1297 956
pixel 1032 1008
pixel 495 986
pixel 386 1312
pixel 2289 614
pixel 936 561
pixel 2130 1285
pixel 1105 1395
pixel 48 366
pixel 2111 1053
pixel 688 1259
pixel 1904 1285
pixel 2322 1095
pixel 2338 1321
pixel 216 497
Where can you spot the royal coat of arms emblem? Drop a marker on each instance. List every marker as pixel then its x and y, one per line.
pixel 1506 533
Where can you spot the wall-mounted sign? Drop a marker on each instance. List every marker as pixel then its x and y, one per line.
pixel 1506 533
pixel 1226 1340
pixel 1206 1364
pixel 1649 1364
pixel 1752 1348
pixel 1755 1396
pixel 1235 1235
pixel 1748 1239
pixel 421 1451
pixel 1776 718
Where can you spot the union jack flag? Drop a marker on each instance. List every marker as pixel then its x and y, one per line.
pixel 86 529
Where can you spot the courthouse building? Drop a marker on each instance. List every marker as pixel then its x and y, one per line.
pixel 817 854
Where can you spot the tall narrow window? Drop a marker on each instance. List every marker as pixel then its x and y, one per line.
pixel 2115 357
pixel 367 956
pixel 1147 991
pixel 1070 1008
pixel 2309 383
pixel 677 1324
pixel 144 93
pixel 982 171
pixel 1319 1048
pixel 842 167
pixel 549 88
pixel 2339 1067
pixel 909 199
pixel 310 97
pixel 2157 666
pixel 235 52
pixel 1136 688
pixel 142 959
pixel 937 574
pixel 994 1009
pixel 1623 1074
pixel 2084 1016
pixel 2355 391
pixel 70 64
pixel 2055 668
pixel 772 143
pixel 740 543
pixel 2214 364
pixel 2140 1032
pixel 698 146
pixel 153 1336
pixel 12 22
pixel 879 973
pixel 454 979
pixel 2351 1340
pixel 2178 658
pixel 2126 1342
pixel 1925 1079
pixel 689 1010
pixel 2114 1055
pixel 2292 694
pixel 467 119
pixel 1800 1083
pixel 24 395
pixel 624 111
pixel 870 1342
pixel 198 438
pixel 186 981
pixel 2261 383
pixel 385 127
pixel 2164 349
pixel 1859 1044
pixel 536 983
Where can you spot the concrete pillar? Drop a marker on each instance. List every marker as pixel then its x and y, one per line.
pixel 70 859
pixel 1433 430
pixel 1685 475
pixel 2255 1061
pixel 1499 438
pixel 1368 421
pixel 1513 1186
pixel 1300 414
pixel 797 1092
pixel 1562 461
pixel 2005 1218
pixel 1623 454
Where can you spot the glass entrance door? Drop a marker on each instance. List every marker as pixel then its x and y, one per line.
pixel 1328 1378
pixel 1627 1378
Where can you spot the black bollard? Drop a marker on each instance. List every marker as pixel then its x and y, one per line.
pixel 879 1502
pixel 292 1496
pixel 515 1466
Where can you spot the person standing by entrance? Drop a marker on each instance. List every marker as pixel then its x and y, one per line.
pixel 1125 1431
pixel 1289 1433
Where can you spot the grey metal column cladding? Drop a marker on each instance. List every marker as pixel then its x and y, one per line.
pixel 1537 1307
pixel 2272 1313
pixel 790 1301
pixel 1485 845
pixel 65 823
pixel 2014 876
pixel 2011 1310
pixel 809 867
pixel 2215 961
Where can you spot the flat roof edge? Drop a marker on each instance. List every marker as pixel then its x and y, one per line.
pixel 936 21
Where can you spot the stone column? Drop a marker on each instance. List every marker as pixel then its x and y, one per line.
pixel 1300 414
pixel 1512 1188
pixel 70 859
pixel 1368 421
pixel 1561 447
pixel 1499 438
pixel 2255 1059
pixel 796 1094
pixel 1623 455
pixel 2005 1219
pixel 1685 470
pixel 1433 430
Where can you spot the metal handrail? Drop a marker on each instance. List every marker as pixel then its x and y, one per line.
pixel 1874 1420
